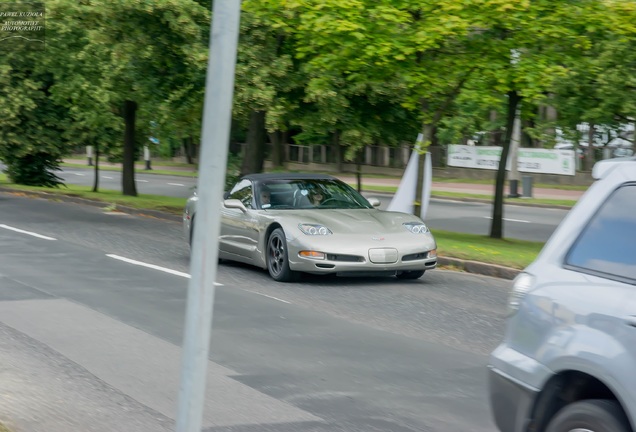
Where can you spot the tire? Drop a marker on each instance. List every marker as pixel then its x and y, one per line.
pixel 413 274
pixel 191 231
pixel 595 415
pixel 278 259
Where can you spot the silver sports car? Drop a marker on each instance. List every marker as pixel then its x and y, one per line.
pixel 313 223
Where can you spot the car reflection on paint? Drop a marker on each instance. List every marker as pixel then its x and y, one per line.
pixel 312 223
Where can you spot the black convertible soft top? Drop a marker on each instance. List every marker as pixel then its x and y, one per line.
pixel 288 176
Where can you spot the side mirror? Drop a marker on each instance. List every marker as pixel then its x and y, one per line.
pixel 374 202
pixel 234 204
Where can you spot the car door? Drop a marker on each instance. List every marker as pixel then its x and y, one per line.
pixel 606 252
pixel 239 235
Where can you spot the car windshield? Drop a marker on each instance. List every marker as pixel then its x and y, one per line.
pixel 287 194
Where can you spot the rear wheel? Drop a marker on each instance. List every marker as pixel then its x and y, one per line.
pixel 413 274
pixel 590 416
pixel 278 258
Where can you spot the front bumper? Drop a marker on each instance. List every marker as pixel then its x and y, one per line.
pixel 510 401
pixel 362 257
pixel 515 381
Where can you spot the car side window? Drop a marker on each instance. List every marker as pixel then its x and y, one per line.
pixel 607 245
pixel 242 191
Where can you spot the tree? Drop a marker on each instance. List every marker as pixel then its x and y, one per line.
pixel 154 47
pixel 529 46
pixel 31 123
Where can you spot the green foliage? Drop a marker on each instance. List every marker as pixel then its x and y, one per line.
pixel 37 169
pixel 31 123
pixel 233 171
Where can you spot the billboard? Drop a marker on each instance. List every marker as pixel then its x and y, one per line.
pixel 530 160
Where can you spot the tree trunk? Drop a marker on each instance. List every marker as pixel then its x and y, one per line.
pixel 359 169
pixel 188 144
pixel 495 135
pixel 255 145
pixel 496 228
pixel 277 139
pixel 427 138
pixel 337 148
pixel 96 179
pixel 128 171
pixel 589 151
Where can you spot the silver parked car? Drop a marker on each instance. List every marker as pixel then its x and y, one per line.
pixel 313 223
pixel 568 359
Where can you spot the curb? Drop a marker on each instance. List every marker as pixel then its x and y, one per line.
pixel 467 266
pixel 477 267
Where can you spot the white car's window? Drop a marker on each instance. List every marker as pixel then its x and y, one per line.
pixel 287 194
pixel 243 191
pixel 607 246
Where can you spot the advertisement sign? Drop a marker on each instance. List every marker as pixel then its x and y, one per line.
pixel 530 160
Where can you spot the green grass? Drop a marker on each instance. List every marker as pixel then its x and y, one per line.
pixel 138 169
pixel 554 202
pixel 506 252
pixel 369 189
pixel 492 181
pixel 142 202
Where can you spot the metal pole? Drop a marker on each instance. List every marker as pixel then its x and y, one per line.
pixel 204 260
pixel 513 174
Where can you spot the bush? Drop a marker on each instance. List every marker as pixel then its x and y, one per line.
pixel 34 170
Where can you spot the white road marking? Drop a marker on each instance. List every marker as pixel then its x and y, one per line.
pixel 176 184
pixel 268 296
pixel 510 220
pixel 154 267
pixel 141 181
pixel 106 177
pixel 79 174
pixel 26 232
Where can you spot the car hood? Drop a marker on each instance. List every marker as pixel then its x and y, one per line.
pixel 364 221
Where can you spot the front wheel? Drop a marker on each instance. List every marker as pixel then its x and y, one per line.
pixel 413 274
pixel 278 258
pixel 596 415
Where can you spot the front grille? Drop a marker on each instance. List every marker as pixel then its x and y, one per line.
pixel 345 258
pixel 415 256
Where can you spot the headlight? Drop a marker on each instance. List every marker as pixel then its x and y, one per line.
pixel 314 230
pixel 520 287
pixel 416 227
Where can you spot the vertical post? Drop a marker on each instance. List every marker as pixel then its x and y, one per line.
pixel 213 164
pixel 89 155
pixel 147 157
pixel 513 174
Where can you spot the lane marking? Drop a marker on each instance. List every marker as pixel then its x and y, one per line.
pixel 26 232
pixel 141 181
pixel 154 267
pixel 106 177
pixel 176 184
pixel 268 296
pixel 509 220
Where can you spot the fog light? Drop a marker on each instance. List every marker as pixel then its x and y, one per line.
pixel 432 253
pixel 312 255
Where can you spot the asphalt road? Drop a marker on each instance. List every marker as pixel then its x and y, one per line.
pixel 521 222
pixel 89 335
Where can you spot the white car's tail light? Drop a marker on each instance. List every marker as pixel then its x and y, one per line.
pixel 520 287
